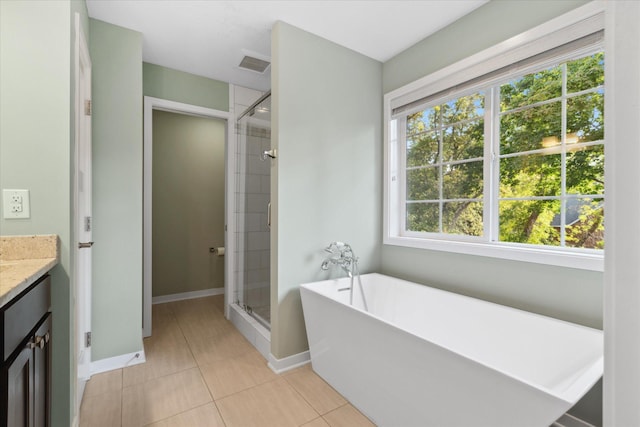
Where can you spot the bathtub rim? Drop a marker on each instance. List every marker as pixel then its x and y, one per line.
pixel 570 394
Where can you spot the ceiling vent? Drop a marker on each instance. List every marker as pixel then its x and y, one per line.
pixel 254 64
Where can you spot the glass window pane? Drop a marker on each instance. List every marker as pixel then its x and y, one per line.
pixel 462 180
pixel 531 129
pixel 584 223
pixel 423 217
pixel 422 184
pixel 423 149
pixel 585 73
pixel 532 88
pixel 585 170
pixel 529 176
pixel 529 221
pixel 462 218
pixel 463 141
pixel 463 108
pixel 423 121
pixel 585 117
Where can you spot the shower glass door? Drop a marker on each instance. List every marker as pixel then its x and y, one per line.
pixel 253 195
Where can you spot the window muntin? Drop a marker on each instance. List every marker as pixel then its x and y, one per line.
pixel 444 167
pixel 545 136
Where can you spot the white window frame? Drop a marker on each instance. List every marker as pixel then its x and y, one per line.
pixel 568 27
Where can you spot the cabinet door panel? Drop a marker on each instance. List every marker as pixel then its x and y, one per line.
pixel 42 374
pixel 23 313
pixel 20 398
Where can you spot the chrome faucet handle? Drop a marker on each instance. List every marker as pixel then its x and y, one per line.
pixel 342 256
pixel 334 247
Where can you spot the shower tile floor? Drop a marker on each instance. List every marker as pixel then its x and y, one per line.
pixel 201 372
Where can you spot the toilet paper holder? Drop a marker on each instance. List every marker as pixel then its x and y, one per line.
pixel 217 251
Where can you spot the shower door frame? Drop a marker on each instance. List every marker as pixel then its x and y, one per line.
pixel 150 104
pixel 266 323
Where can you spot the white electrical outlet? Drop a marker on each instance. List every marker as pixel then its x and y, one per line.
pixel 15 204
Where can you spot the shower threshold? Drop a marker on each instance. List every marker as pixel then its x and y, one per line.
pixel 261 314
pixel 252 328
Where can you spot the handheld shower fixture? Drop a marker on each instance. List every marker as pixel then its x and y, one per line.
pixel 343 256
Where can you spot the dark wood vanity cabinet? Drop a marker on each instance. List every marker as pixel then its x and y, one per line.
pixel 26 364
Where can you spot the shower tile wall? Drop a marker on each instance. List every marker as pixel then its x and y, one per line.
pixel 243 99
pixel 252 214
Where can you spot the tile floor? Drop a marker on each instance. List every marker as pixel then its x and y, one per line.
pixel 200 371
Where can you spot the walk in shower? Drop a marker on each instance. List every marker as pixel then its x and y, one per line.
pixel 253 195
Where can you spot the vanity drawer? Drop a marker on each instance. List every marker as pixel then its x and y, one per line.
pixel 22 314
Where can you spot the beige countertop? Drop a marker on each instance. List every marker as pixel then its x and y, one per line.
pixel 23 260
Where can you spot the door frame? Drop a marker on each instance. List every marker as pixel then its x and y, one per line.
pixel 81 286
pixel 150 104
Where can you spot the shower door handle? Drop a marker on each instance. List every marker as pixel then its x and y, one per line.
pixel 269 215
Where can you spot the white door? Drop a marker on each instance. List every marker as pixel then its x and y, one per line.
pixel 82 217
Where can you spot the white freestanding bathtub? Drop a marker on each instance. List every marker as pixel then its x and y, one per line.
pixel 425 357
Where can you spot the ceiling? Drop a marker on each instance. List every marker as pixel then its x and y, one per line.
pixel 210 37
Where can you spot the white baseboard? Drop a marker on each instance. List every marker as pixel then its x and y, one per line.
pixel 117 362
pixel 568 420
pixel 187 295
pixel 286 364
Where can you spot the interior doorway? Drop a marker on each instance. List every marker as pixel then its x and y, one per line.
pixel 155 104
pixel 188 206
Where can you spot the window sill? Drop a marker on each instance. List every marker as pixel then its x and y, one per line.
pixel 584 260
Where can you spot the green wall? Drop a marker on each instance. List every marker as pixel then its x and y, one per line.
pixel 326 181
pixel 116 55
pixel 36 151
pixel 569 294
pixel 486 26
pixel 174 85
pixel 188 202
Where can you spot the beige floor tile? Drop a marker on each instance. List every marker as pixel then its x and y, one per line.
pixel 167 334
pixel 161 315
pixel 318 422
pixel 199 305
pixel 209 350
pixel 229 376
pixel 218 302
pixel 197 325
pixel 273 404
pixel 305 367
pixel 161 360
pixel 202 416
pixel 133 406
pixel 161 309
pixel 103 410
pixel 199 312
pixel 347 416
pixel 163 397
pixel 103 383
pixel 315 390
pixel 195 353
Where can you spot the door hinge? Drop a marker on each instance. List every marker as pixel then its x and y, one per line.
pixel 87 339
pixel 87 107
pixel 87 223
